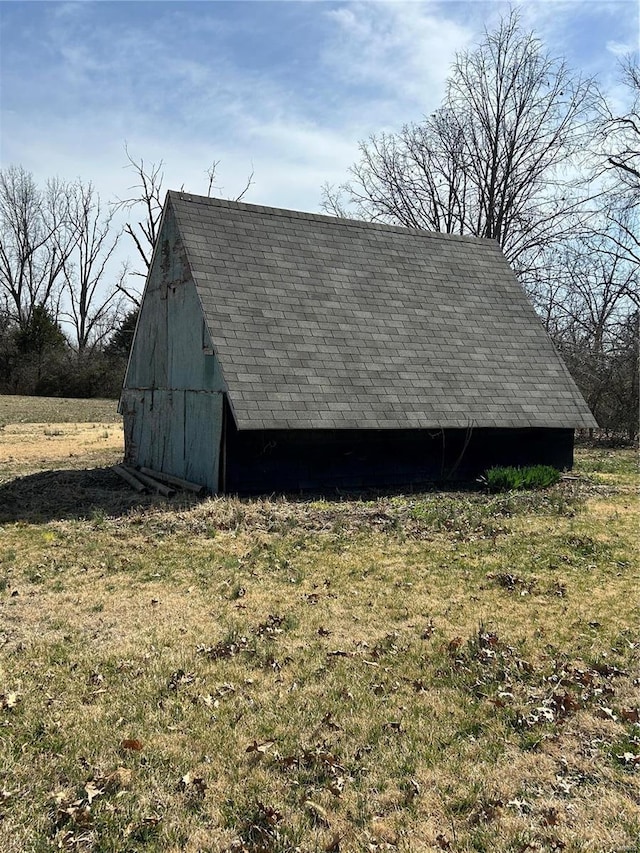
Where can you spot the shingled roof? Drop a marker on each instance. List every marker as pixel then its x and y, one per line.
pixel 331 323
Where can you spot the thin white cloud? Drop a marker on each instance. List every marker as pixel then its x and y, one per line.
pixel 620 49
pixel 402 51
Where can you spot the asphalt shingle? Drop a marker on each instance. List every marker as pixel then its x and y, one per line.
pixel 321 322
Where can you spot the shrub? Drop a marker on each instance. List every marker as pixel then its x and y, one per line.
pixel 532 477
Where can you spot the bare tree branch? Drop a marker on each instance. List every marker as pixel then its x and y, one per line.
pixel 147 195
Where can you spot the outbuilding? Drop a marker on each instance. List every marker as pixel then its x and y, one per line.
pixel 286 351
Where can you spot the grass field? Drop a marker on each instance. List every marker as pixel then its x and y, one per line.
pixel 41 433
pixel 445 671
pixel 42 410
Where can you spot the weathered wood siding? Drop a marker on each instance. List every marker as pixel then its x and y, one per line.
pixel 173 391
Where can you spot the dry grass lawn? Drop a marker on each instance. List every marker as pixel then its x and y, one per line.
pixel 44 433
pixel 443 671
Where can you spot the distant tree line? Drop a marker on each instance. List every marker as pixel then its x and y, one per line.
pixel 55 244
pixel 66 317
pixel 521 150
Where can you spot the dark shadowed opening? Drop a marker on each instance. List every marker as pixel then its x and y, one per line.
pixel 263 461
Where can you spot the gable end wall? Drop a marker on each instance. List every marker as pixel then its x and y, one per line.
pixel 172 399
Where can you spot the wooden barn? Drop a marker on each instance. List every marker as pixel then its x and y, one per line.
pixel 284 351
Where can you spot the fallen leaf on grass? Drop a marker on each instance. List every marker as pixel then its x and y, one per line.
pixel 631 715
pixel 453 645
pixel 539 715
pixel 77 812
pixel 565 785
pixel 629 759
pixel 71 839
pixel 328 722
pixel 486 812
pixel 8 701
pixel 179 678
pixel 512 582
pixel 585 677
pixel 92 791
pixel 520 805
pixel 606 714
pixel 428 631
pixel 209 701
pixel 269 815
pixel 412 790
pixel 260 748
pixel 116 781
pixel 271 627
pixel 336 786
pixel 193 785
pixel 140 830
pixel 609 670
pixel 564 704
pixel 361 752
pixel 550 816
pixel 317 813
pixel 132 744
pixel 226 649
pixel 502 699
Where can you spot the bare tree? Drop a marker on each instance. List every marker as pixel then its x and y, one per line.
pixel 621 139
pixel 592 290
pixel 623 134
pixel 92 307
pixel 146 202
pixel 498 159
pixel 587 300
pixel 31 260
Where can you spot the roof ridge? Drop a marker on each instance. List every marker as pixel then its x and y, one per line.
pixel 212 201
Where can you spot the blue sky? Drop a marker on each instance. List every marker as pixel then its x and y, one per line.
pixel 285 89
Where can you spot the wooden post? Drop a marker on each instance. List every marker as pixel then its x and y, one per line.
pixel 130 478
pixel 149 481
pixel 174 481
